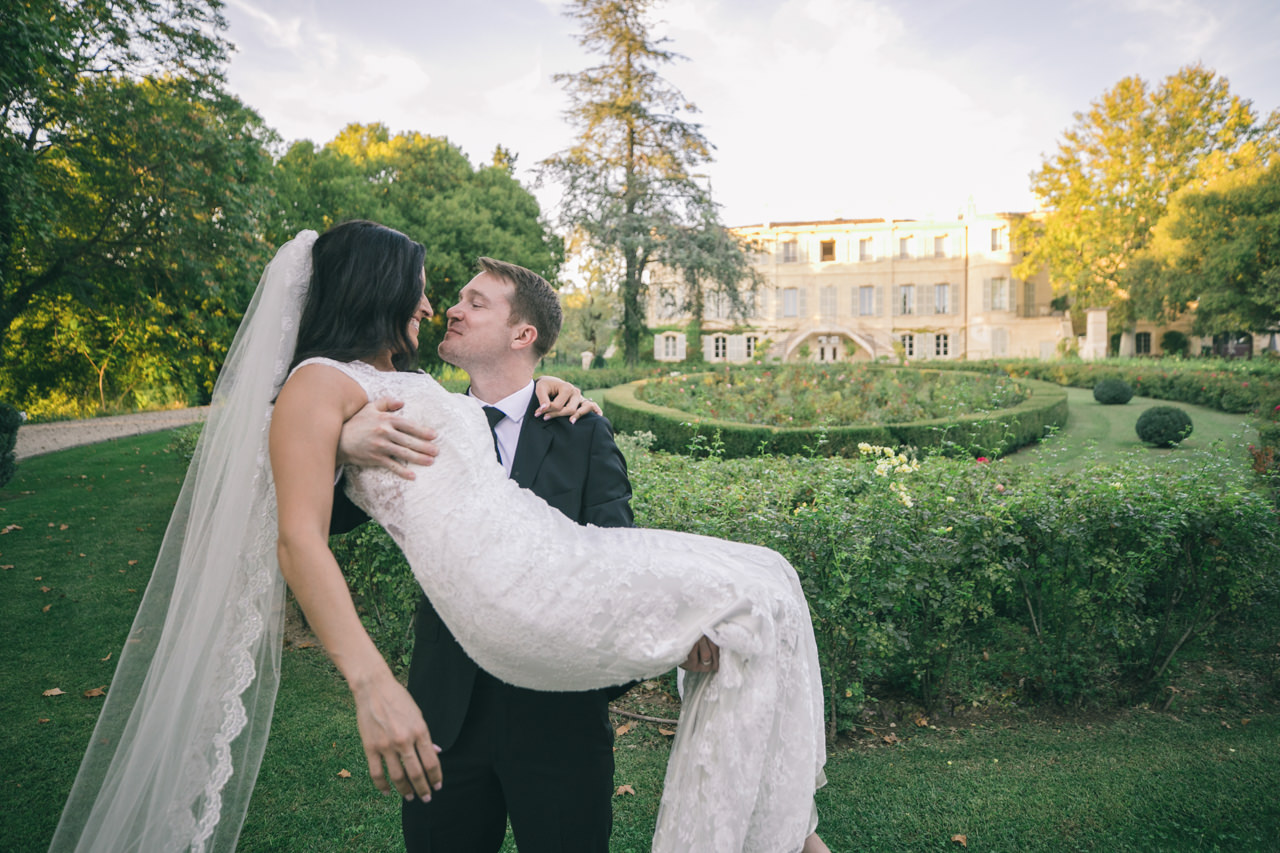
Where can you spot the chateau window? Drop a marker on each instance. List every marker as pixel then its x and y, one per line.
pixel 669 346
pixel 999 342
pixel 866 301
pixel 942 299
pixel 909 346
pixel 940 247
pixel 751 345
pixel 721 346
pixel 907 299
pixel 790 302
pixel 904 247
pixel 998 240
pixel 828 250
pixel 790 252
pixel 1142 343
pixel 942 345
pixel 827 302
pixel 999 294
pixel 866 250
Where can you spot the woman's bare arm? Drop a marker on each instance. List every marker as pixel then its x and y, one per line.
pixel 308 417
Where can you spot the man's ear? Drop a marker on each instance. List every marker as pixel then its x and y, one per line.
pixel 524 336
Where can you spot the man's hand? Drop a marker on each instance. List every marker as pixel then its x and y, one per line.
pixel 703 657
pixel 375 435
pixel 557 398
pixel 394 734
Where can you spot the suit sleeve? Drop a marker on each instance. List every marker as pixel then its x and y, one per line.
pixel 345 516
pixel 607 491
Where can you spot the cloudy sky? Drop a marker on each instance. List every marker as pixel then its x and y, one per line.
pixel 817 108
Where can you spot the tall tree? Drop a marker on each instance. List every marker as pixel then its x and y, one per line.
pixel 129 179
pixel 149 204
pixel 426 187
pixel 1219 247
pixel 1115 171
pixel 630 182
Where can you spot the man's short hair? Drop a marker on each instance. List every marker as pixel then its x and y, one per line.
pixel 533 301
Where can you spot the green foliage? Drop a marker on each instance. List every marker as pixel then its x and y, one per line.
pixel 630 181
pixel 421 185
pixel 1112 176
pixel 383 587
pixel 1251 386
pixel 803 395
pixel 129 191
pixel 992 433
pixel 1112 391
pixel 1219 246
pixel 1164 426
pixel 959 581
pixel 1175 343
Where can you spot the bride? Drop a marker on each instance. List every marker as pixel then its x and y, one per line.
pixel 532 597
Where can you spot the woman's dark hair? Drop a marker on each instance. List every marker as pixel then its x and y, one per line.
pixel 366 283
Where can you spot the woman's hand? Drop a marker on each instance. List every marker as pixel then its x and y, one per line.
pixel 395 735
pixel 377 436
pixel 557 398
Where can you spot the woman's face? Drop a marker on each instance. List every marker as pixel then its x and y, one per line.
pixel 422 312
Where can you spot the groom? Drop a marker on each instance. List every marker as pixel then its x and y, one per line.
pixel 543 760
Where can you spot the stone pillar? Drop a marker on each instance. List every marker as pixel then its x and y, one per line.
pixel 1095 338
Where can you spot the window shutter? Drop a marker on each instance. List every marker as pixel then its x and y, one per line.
pixel 986 294
pixel 1013 295
pixel 681 347
pixel 708 347
pixel 737 348
pixel 924 299
pixel 880 301
pixel 802 302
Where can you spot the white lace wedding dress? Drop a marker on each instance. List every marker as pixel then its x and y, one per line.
pixel 544 603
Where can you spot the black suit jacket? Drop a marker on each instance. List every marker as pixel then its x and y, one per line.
pixel 576 468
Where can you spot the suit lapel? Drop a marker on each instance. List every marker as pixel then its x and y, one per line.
pixel 531 448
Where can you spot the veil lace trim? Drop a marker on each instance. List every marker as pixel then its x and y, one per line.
pixel 176 749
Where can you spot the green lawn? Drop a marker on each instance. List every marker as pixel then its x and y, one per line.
pixel 1096 432
pixel 1201 777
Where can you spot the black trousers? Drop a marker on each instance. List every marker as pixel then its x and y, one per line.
pixel 543 759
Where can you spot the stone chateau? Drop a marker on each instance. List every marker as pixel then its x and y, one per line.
pixel 863 289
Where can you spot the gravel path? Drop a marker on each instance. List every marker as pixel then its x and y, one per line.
pixel 35 439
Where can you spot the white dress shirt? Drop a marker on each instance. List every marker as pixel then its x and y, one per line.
pixel 508 429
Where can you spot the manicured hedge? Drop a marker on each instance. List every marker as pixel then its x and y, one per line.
pixel 969 582
pixel 987 433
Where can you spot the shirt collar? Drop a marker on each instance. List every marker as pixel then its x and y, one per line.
pixel 514 406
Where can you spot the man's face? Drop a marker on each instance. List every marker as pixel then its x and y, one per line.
pixel 479 330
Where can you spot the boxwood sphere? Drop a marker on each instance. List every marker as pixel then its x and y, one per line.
pixel 1110 392
pixel 1164 426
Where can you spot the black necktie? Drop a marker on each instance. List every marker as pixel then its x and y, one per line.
pixel 494 414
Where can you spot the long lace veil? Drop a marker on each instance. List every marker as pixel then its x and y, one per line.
pixel 177 747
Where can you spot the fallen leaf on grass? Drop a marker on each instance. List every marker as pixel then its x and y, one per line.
pixel 305 644
pixel 9 527
pixel 94 692
pixel 46 589
pixel 624 789
pixel 962 840
pixel 667 732
pixel 60 526
pixel 921 720
pixel 108 657
pixel 42 719
pixel 133 562
pixel 344 773
pixel 6 568
pixel 45 609
pixel 890 738
pixel 623 729
pixel 54 691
